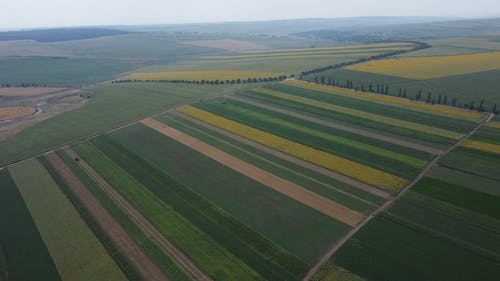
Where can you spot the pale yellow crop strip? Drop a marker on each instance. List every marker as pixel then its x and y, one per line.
pixel 307 53
pixel 363 114
pixel 348 47
pixel 484 146
pixel 493 124
pixel 393 101
pixel 335 163
pixel 432 67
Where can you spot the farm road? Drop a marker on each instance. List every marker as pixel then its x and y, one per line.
pixel 360 185
pixel 339 243
pixel 143 223
pixel 372 135
pixel 322 204
pixel 134 253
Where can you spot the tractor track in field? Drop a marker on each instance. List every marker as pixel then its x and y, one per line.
pixel 333 125
pixel 144 265
pixel 357 184
pixel 339 243
pixel 184 261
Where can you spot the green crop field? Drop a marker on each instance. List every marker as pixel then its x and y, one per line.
pixel 265 257
pixel 76 252
pixel 22 250
pixel 112 106
pixel 326 186
pixel 307 133
pixel 220 264
pixel 264 210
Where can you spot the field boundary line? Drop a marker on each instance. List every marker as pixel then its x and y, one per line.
pixel 332 174
pixel 160 239
pixel 123 241
pixel 338 126
pixel 313 200
pixel 339 243
pixel 276 164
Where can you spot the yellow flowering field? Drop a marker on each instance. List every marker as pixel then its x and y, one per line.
pixel 493 124
pixel 484 146
pixel 363 114
pixel 393 101
pixel 344 166
pixel 432 67
pixel 202 75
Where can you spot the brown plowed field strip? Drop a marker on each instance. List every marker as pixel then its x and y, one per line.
pixel 311 199
pixel 352 182
pixel 135 255
pixel 143 223
pixel 7 113
pixel 372 135
pixel 29 91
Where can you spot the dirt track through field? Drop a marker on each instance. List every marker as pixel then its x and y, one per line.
pixel 352 182
pixel 143 223
pixel 311 199
pixel 372 135
pixel 339 243
pixel 135 255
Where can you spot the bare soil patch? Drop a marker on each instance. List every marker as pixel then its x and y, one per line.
pixel 14 112
pixel 229 45
pixel 143 264
pixel 28 91
pixel 324 205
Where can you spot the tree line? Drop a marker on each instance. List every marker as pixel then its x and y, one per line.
pixel 209 82
pixel 23 85
pixel 418 46
pixel 402 92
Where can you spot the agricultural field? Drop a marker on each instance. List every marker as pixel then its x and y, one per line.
pixel 466 80
pixel 368 161
pixel 203 75
pixel 451 214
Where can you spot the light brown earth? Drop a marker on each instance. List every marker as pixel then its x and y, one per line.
pixel 352 182
pixel 324 205
pixel 14 112
pixel 127 246
pixel 372 135
pixel 28 91
pixel 168 248
pixel 229 45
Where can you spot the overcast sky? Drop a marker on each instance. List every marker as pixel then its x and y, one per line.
pixel 47 13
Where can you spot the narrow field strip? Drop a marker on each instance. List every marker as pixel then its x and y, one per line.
pixel 313 200
pixel 493 124
pixel 77 253
pixel 142 263
pixel 391 100
pixel 229 144
pixel 333 125
pixel 362 114
pixel 344 166
pixel 326 172
pixel 481 145
pixel 144 223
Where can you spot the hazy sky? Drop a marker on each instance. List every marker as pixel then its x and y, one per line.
pixel 43 13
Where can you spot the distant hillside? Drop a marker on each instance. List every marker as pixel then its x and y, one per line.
pixel 59 34
pixel 411 31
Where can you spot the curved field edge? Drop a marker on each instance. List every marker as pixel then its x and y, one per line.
pixel 335 163
pixel 75 250
pixel 195 243
pixel 24 255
